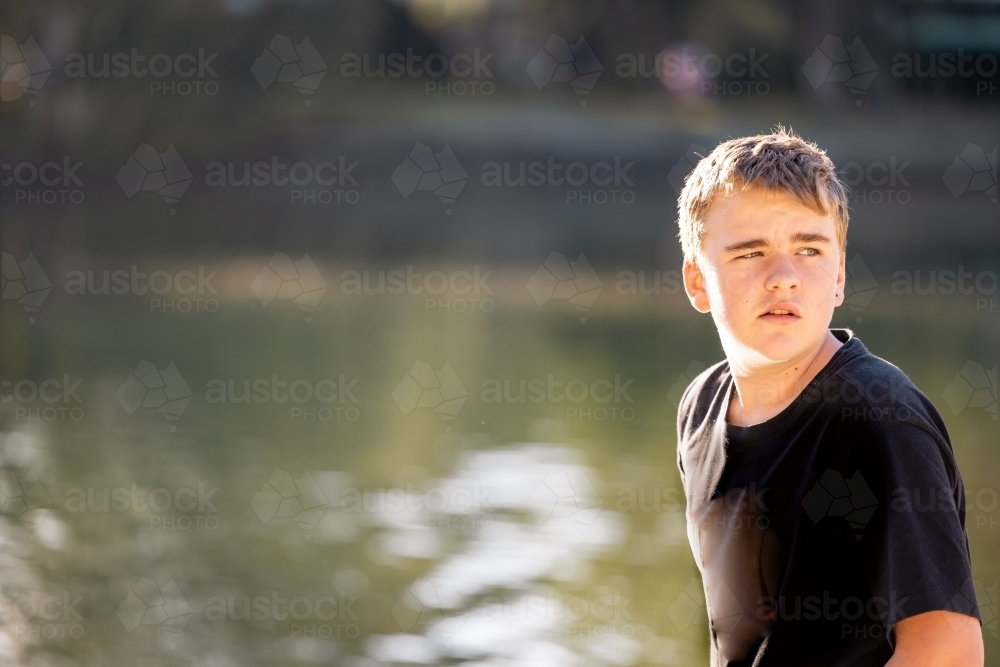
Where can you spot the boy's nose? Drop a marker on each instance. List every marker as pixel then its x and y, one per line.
pixel 781 274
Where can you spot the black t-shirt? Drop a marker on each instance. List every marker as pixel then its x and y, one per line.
pixel 821 528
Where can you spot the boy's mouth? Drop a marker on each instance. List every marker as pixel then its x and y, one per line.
pixel 781 313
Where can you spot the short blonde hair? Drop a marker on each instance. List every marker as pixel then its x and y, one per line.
pixel 780 161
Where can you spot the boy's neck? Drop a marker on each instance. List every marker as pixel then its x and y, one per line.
pixel 763 393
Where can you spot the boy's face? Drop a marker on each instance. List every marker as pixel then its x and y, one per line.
pixel 771 272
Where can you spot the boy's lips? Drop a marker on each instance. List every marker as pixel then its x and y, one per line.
pixel 781 313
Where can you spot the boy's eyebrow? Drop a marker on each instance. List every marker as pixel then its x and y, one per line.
pixel 797 237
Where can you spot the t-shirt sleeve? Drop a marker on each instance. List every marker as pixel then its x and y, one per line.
pixel 682 410
pixel 914 550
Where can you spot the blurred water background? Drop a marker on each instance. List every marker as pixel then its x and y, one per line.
pixel 402 409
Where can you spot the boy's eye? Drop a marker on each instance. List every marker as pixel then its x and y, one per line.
pixel 809 252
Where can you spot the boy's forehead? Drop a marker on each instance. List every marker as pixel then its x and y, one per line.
pixel 762 211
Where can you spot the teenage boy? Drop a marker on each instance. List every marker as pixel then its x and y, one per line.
pixel 825 508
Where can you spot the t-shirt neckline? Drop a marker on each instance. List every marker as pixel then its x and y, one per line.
pixel 744 435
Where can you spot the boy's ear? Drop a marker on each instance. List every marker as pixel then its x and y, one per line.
pixel 694 286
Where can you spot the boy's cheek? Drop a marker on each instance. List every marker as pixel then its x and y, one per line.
pixel 735 283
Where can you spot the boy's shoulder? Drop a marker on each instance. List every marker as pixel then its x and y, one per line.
pixel 876 389
pixel 855 381
pixel 703 388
